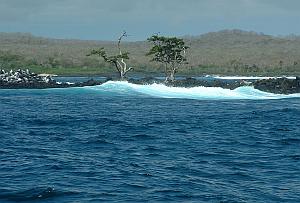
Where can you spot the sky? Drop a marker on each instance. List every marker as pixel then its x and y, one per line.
pixel 106 19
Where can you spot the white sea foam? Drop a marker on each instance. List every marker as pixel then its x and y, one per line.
pixel 247 77
pixel 207 93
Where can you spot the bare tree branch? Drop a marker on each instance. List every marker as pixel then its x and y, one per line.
pixel 117 60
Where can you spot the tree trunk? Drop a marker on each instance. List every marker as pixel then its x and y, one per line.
pixel 122 75
pixel 121 64
pixel 172 75
pixel 122 69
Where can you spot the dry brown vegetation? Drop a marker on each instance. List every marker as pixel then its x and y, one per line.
pixel 228 52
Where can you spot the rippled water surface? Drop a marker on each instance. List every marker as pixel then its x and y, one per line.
pixel 135 144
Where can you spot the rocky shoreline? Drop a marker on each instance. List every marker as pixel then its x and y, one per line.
pixel 24 79
pixel 272 85
pixel 278 85
pixel 193 82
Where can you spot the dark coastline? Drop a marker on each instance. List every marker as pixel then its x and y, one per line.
pixel 272 85
pixel 23 79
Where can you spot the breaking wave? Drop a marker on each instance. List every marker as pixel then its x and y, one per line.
pixel 248 77
pixel 204 93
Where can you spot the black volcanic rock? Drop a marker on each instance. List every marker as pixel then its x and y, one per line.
pixel 90 82
pixel 187 82
pixel 278 85
pixel 191 82
pixel 145 81
pixel 24 79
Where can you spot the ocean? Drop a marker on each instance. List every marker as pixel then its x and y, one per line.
pixel 120 142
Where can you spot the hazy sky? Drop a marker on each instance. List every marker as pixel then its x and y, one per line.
pixel 106 19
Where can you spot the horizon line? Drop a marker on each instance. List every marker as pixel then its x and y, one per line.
pixel 181 36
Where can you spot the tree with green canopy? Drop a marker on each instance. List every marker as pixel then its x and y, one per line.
pixel 170 51
pixel 117 60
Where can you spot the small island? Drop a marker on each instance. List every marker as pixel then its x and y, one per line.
pixel 24 79
pixel 169 57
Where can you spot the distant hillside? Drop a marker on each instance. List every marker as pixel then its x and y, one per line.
pixel 225 52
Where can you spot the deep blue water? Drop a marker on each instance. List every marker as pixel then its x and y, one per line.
pixel 122 144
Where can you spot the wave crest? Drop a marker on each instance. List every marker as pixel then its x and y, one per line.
pixel 204 93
